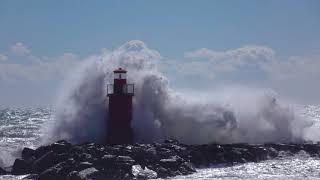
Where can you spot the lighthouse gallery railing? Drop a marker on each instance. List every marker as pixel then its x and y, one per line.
pixel 127 89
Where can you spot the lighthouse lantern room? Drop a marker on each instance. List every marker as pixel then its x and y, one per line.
pixel 119 115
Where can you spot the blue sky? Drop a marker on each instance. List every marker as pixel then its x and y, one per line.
pixel 172 27
pixel 290 28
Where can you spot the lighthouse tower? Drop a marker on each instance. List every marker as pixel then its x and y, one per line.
pixel 120 95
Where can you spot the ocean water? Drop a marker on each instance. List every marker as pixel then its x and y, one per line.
pixel 21 127
pixel 300 166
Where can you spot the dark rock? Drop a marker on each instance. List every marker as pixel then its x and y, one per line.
pixel 91 173
pixel 272 152
pixel 107 161
pixel 3 172
pixel 165 153
pixel 44 162
pixel 50 174
pixel 163 172
pixel 60 147
pixel 143 156
pixel 64 142
pixel 74 175
pixel 311 149
pixel 27 153
pixel 236 155
pixel 140 173
pixel 171 163
pixel 260 153
pixel 124 159
pixel 58 171
pixel 200 156
pixel 31 177
pixel 76 149
pixel 150 154
pixel 189 167
pixel 20 166
pixel 42 150
pixel 171 141
pixel 61 157
pixel 83 165
pixel 86 157
pixel 124 163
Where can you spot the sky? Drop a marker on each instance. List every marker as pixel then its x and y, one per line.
pixel 207 44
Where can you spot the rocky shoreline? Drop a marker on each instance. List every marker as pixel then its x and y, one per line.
pixel 64 161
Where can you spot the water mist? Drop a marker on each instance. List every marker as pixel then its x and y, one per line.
pixel 248 115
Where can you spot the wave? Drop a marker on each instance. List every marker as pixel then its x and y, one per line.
pixel 235 114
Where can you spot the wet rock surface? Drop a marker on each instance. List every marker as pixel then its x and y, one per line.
pixel 3 172
pixel 62 160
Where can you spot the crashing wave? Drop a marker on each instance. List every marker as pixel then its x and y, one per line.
pixel 250 115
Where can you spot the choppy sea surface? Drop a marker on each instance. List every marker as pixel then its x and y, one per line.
pixel 20 127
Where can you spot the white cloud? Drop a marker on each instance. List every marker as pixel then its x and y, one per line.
pixel 295 76
pixel 210 63
pixel 260 58
pixel 250 52
pixel 20 49
pixel 3 57
pixel 36 72
pixel 36 68
pixel 294 68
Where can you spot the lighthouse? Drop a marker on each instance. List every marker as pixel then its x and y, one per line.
pixel 119 130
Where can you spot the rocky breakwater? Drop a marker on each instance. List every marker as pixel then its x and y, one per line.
pixel 62 160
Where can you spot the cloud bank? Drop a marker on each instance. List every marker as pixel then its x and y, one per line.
pixel 295 77
pixel 20 49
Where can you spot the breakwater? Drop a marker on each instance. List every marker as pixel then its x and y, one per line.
pixel 63 160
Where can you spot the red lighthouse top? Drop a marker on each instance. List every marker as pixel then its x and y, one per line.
pixel 120 86
pixel 120 74
pixel 120 70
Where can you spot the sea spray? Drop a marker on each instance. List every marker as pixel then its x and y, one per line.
pixel 159 112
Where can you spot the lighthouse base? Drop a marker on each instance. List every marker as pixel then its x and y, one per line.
pixel 119 135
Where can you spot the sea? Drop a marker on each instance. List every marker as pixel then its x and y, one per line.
pixel 21 127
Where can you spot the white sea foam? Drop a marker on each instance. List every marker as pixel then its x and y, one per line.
pixel 235 114
pixel 298 167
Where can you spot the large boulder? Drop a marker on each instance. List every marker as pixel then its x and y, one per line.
pixel 311 149
pixel 42 150
pixel 91 174
pixel 140 173
pixel 125 163
pixel 3 172
pixel 171 163
pixel 51 174
pixel 58 171
pixel 31 177
pixel 107 161
pixel 125 159
pixel 60 147
pixel 187 168
pixel 27 153
pixel 83 165
pixel 44 162
pixel 163 172
pixel 20 167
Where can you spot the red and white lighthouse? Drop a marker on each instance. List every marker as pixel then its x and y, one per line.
pixel 119 130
